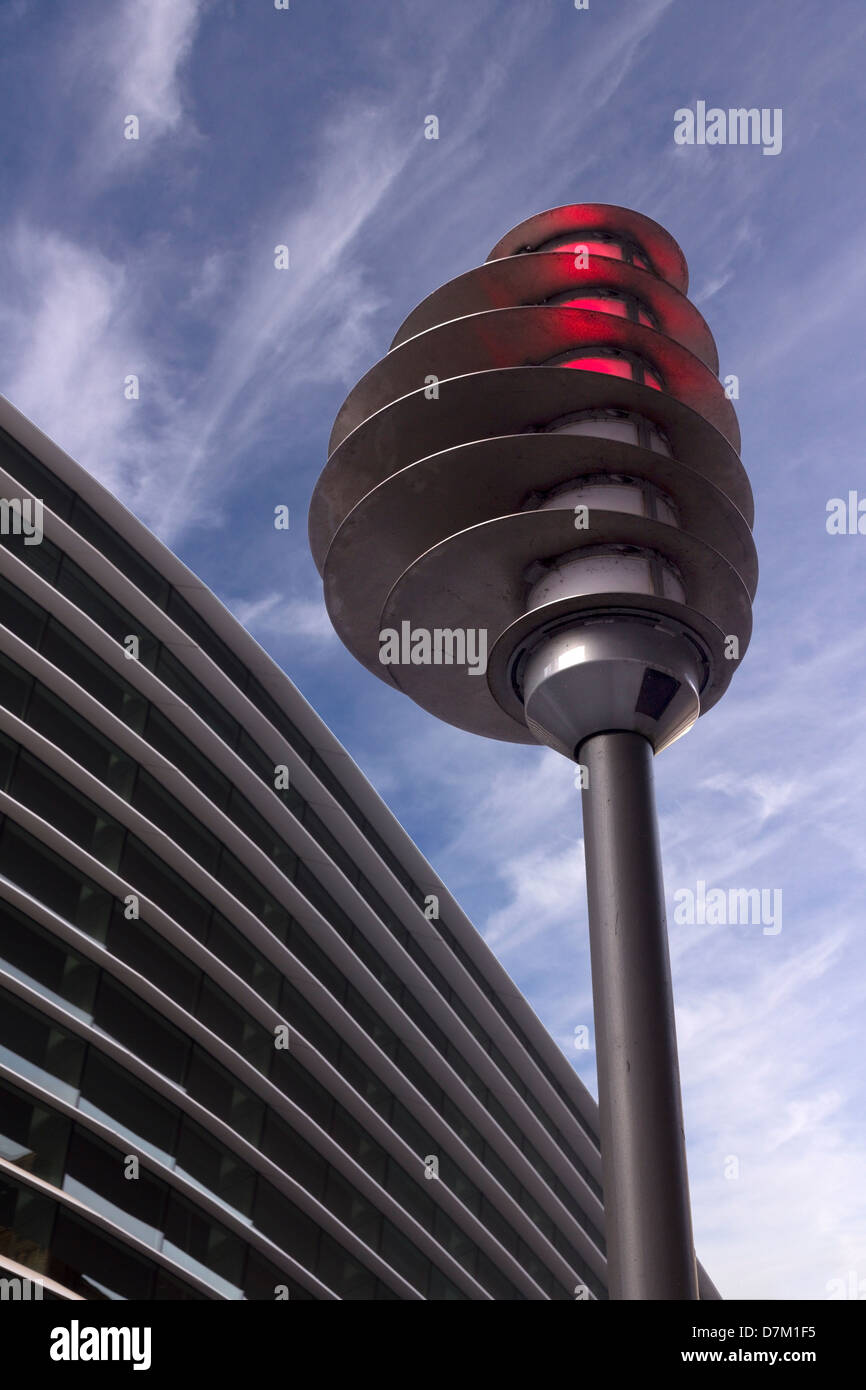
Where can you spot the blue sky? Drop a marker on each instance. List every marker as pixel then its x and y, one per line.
pixel 306 128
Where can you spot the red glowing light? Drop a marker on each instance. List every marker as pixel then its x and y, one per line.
pixel 610 366
pixel 590 245
pixel 603 305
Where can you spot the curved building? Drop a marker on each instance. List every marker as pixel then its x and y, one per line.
pixel 250 1048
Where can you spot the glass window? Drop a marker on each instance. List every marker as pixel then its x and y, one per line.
pixel 409 1192
pixel 226 942
pixel 272 711
pixel 192 623
pixel 54 719
pixel 42 959
pixel 119 1099
pixel 40 1050
pixel 384 1294
pixel 296 1083
pixel 15 686
pixel 204 1246
pixel 8 755
pixel 43 559
pixel 355 1142
pixel 216 1089
pixel 294 1155
pixel 255 758
pixel 178 679
pixel 498 1226
pixel 329 843
pixel 497 1169
pixel 233 1025
pixel 215 1169
pixel 166 1287
pixel 140 1029
pixel 96 1175
pixel 262 1280
pixel 32 1136
pixel 67 810
pixel 26 1219
pixel 310 1024
pixel 441 1288
pixel 50 880
pixel 138 946
pixel 421 1079
pixel 166 812
pixel 399 1252
pixel 93 675
pixel 535 1269
pixel 121 554
pixel 92 599
pixel 146 874
pixel 410 1005
pixel 507 1070
pixel 247 889
pixel 182 754
pixel 462 1127
pixel 464 1189
pixel 286 1225
pixel 38 479
pixel 412 1133
pixel 538 1217
pixel 352 1209
pixel 247 819
pixel 364 1081
pixel 313 891
pixel 491 1277
pixel 343 1274
pixel 503 1119
pixel 317 962
pixel 24 617
pixel 454 1240
pixel 94 1264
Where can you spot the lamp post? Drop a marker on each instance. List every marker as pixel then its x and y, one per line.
pixel 534 521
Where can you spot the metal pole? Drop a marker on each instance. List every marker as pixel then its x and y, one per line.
pixel 650 1248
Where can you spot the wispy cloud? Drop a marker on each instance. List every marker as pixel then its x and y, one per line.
pixel 275 613
pixel 70 338
pixel 130 62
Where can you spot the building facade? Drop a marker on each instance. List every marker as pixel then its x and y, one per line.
pixel 250 1048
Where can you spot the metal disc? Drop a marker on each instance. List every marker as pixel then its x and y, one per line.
pixel 532 278
pixel 472 483
pixel 498 403
pixel 529 336
pixel 475 580
pixel 662 251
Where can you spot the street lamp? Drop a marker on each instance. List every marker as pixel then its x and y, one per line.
pixel 544 469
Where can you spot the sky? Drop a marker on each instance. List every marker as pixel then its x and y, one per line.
pixel 304 127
